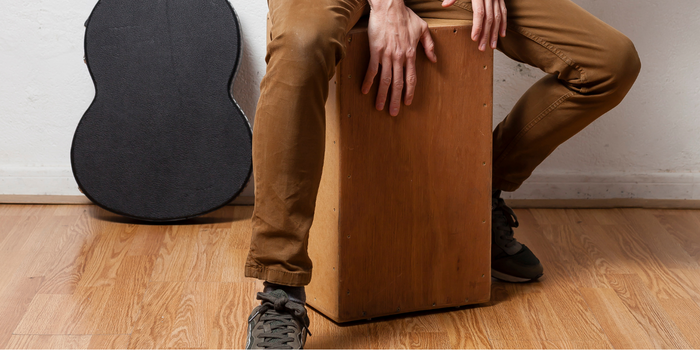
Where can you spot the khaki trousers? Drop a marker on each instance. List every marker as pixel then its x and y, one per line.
pixel 591 68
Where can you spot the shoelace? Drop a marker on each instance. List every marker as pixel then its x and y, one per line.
pixel 278 315
pixel 504 221
pixel 276 330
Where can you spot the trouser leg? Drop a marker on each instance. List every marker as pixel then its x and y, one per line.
pixel 307 42
pixel 591 68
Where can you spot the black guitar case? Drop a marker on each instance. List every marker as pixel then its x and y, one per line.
pixel 163 139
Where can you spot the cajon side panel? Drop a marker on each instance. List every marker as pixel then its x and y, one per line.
pixel 323 237
pixel 415 189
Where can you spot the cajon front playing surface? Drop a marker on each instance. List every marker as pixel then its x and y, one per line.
pixel 402 219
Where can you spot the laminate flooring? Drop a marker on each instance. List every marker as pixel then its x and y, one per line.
pixel 76 276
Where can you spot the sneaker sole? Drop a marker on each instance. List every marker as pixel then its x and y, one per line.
pixel 508 278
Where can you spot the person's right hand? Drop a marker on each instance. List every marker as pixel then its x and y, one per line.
pixel 489 20
pixel 394 33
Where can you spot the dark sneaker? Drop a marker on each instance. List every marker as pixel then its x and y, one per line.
pixel 277 323
pixel 511 261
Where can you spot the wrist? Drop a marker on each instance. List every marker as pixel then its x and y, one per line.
pixel 384 5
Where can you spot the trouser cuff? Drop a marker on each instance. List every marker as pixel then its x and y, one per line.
pixel 286 278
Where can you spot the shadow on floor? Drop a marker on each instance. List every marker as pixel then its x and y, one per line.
pixel 498 294
pixel 222 215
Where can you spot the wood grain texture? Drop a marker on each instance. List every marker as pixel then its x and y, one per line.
pixel 690 280
pixel 685 314
pixel 647 311
pixel 467 331
pixel 14 303
pixel 667 249
pixel 57 262
pixel 324 236
pixel 562 299
pixel 49 342
pixel 682 225
pixel 25 236
pixel 109 341
pixel 410 230
pixel 78 277
pixel 622 329
pixel 556 344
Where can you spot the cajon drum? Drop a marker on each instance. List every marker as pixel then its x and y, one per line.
pixel 403 215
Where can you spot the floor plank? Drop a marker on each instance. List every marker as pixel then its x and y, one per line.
pixel 109 341
pixel 567 304
pixel 634 255
pixel 662 331
pixel 468 331
pixel 622 329
pixel 683 226
pixel 557 344
pixel 49 341
pixel 14 303
pixel 80 277
pixel 668 250
pixel 23 241
pixel 690 280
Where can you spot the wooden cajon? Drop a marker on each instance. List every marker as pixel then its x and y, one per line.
pixel 403 215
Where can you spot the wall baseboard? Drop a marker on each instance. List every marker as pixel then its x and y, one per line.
pixel 55 185
pixel 608 203
pixel 81 199
pixel 684 186
pixel 51 182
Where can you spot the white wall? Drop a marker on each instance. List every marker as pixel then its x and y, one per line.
pixel 649 147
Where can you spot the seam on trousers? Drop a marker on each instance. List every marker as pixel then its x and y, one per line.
pixel 553 49
pixel 534 122
pixel 466 5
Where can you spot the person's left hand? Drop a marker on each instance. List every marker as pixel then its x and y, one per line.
pixel 489 20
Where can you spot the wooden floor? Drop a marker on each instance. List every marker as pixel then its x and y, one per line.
pixel 78 277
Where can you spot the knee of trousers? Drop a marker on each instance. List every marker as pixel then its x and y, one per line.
pixel 306 49
pixel 619 66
